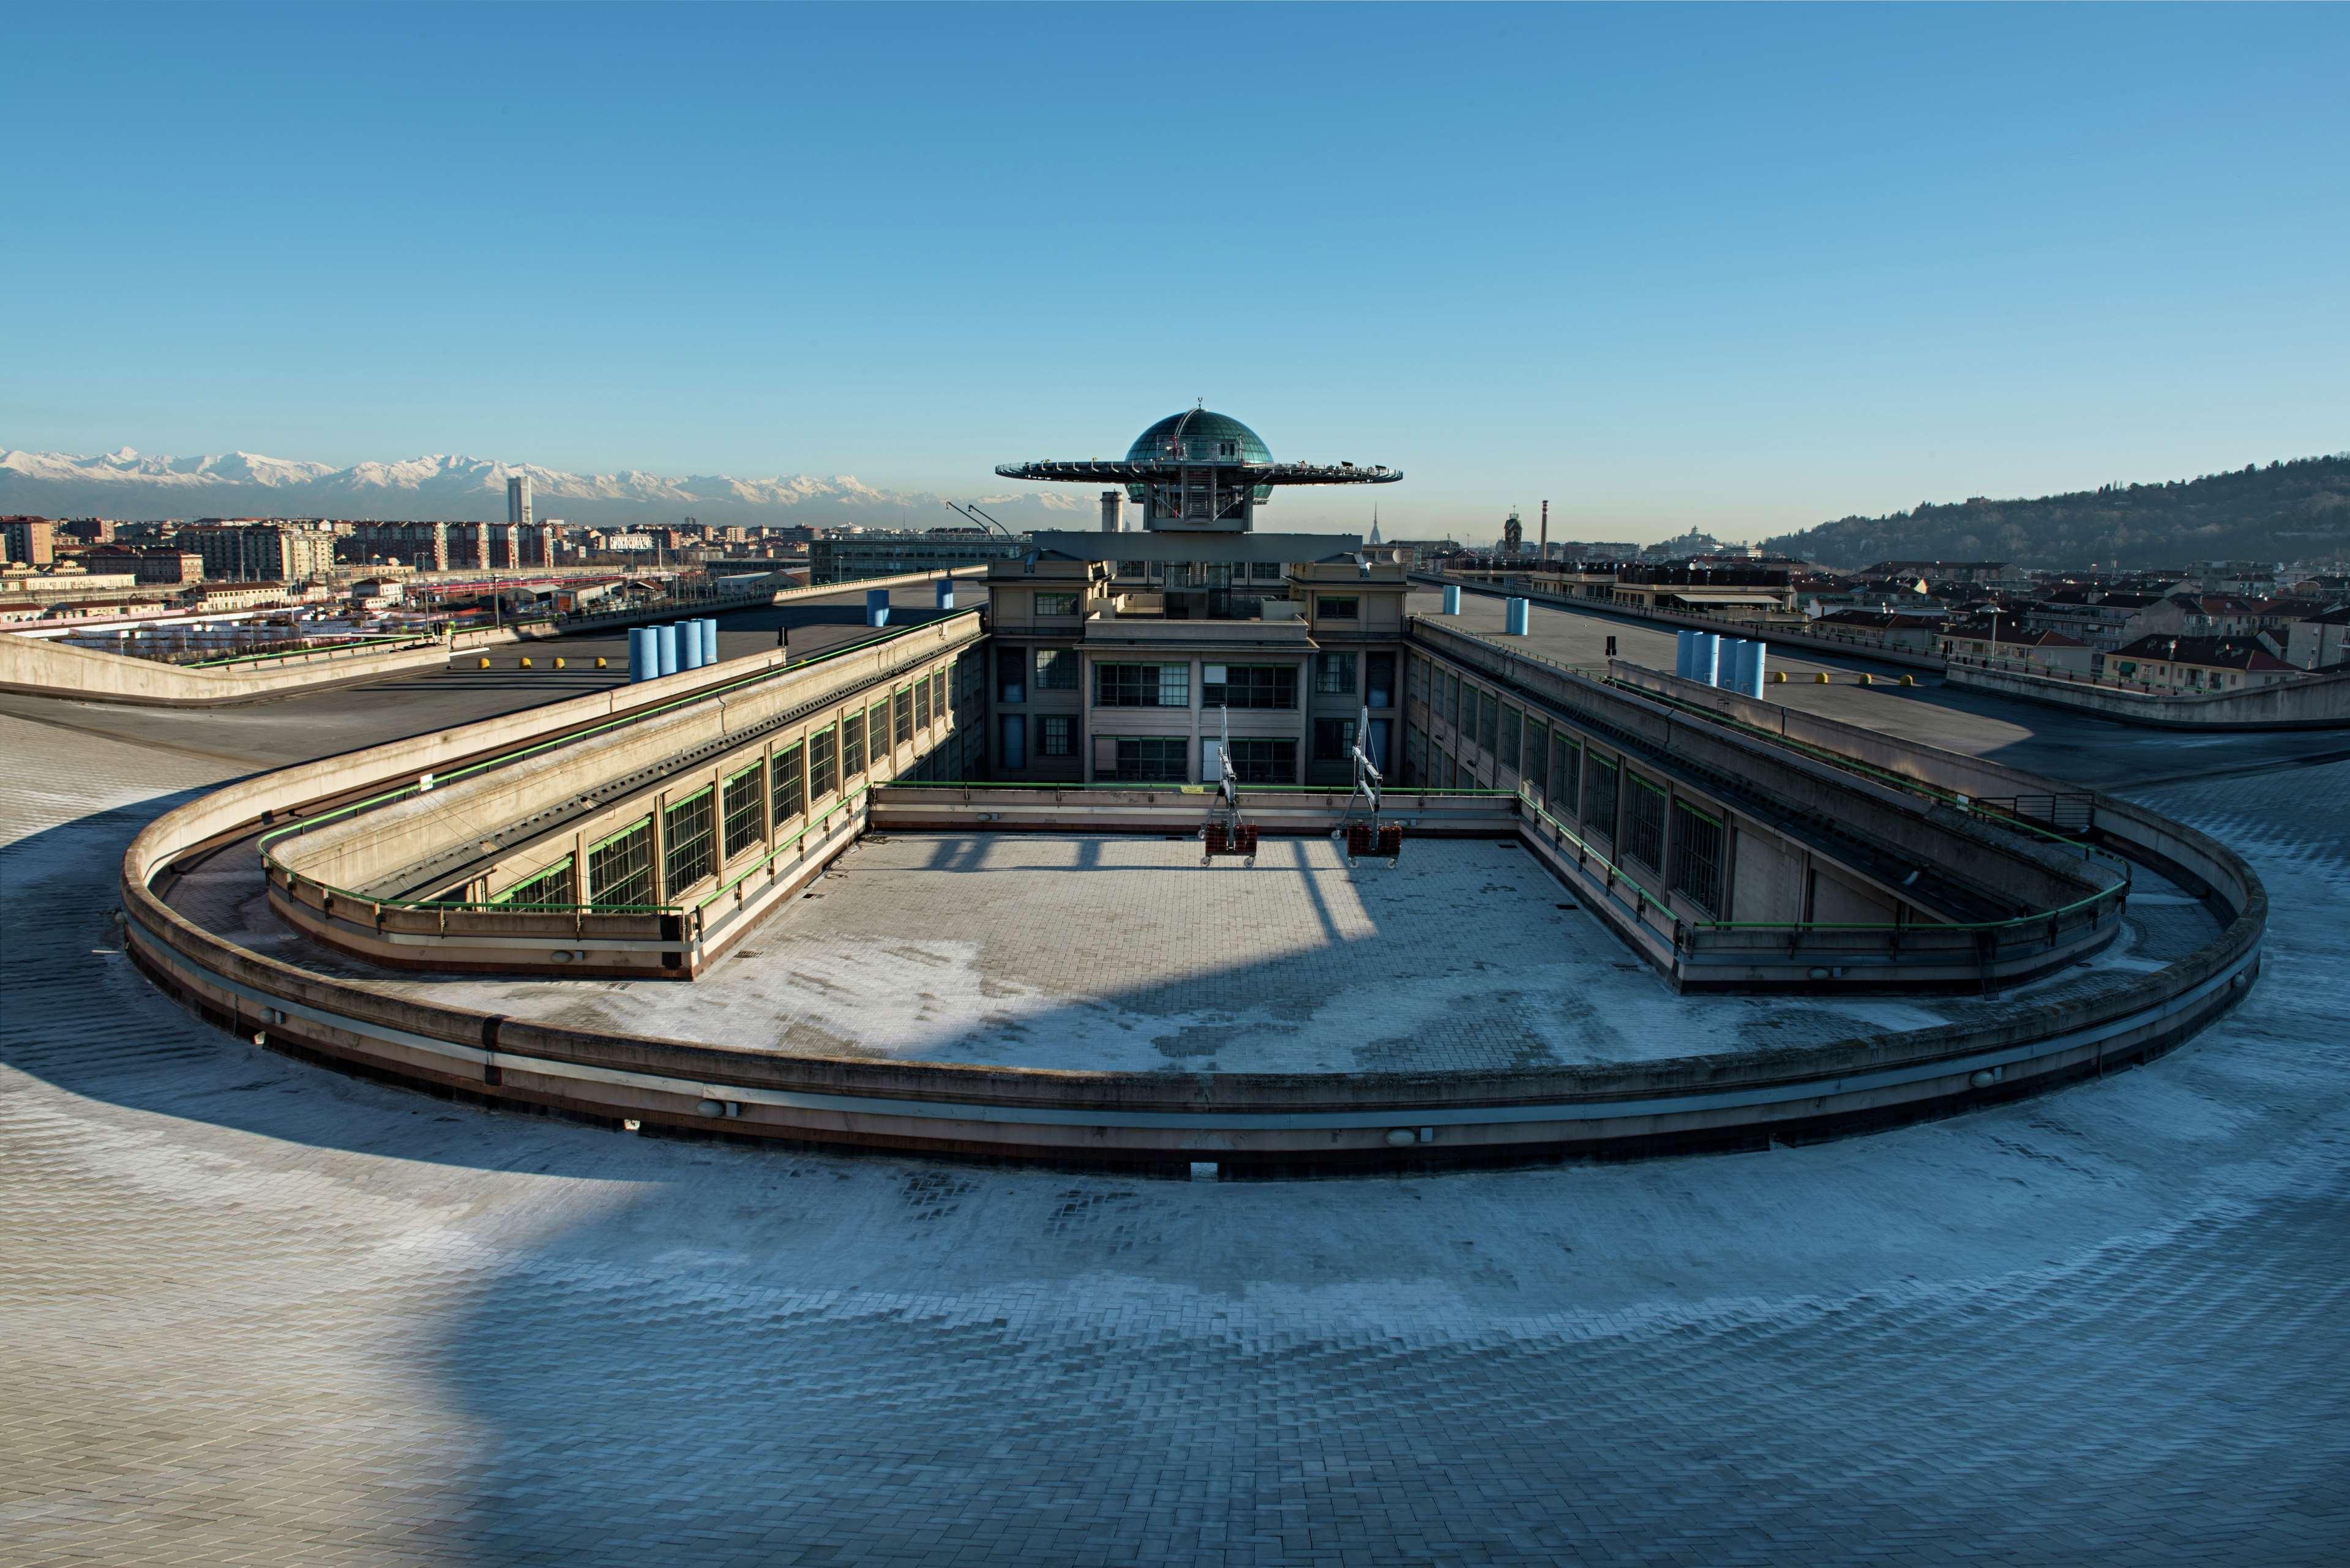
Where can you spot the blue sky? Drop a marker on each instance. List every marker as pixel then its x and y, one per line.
pixel 1744 269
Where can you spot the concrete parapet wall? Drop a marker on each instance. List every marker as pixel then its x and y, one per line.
pixel 1273 1121
pixel 2320 702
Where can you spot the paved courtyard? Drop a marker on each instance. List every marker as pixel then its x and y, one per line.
pixel 1125 953
pixel 257 1312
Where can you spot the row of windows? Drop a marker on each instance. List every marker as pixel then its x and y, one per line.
pixel 1201 573
pixel 709 827
pixel 1571 784
pixel 1142 685
pixel 1019 670
pixel 1248 686
pixel 551 887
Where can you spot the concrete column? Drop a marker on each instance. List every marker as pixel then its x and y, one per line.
pixel 660 847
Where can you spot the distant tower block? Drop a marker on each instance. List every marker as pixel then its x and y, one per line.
pixel 1113 511
pixel 518 500
pixel 1514 533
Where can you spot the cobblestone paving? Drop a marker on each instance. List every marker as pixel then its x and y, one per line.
pixel 259 1312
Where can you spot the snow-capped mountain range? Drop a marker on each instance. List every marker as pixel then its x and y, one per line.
pixel 129 484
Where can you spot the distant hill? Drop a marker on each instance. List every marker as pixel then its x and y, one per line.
pixel 2296 511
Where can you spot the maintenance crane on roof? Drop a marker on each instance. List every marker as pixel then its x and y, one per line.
pixel 1224 833
pixel 1364 832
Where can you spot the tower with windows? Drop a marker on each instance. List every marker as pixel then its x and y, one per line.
pixel 1135 656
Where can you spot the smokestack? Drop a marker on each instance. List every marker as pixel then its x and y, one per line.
pixel 1110 499
pixel 1543 552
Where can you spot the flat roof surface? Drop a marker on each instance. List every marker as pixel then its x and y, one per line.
pixel 1117 953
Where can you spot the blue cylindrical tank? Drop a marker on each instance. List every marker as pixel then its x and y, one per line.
pixel 1754 676
pixel 1705 666
pixel 1684 653
pixel 946 593
pixel 665 644
pixel 710 641
pixel 688 645
pixel 644 658
pixel 1452 599
pixel 1513 618
pixel 877 606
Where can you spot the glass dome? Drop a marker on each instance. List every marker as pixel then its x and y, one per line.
pixel 1198 435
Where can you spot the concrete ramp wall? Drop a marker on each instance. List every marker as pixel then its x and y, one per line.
pixel 47 669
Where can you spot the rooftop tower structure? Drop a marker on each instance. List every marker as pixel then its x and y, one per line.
pixel 1162 655
pixel 518 500
pixel 1199 471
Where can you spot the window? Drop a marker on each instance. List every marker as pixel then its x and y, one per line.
pixel 1153 759
pixel 938 692
pixel 1536 766
pixel 1599 797
pixel 1265 571
pixel 790 786
pixel 1056 670
pixel 1643 823
pixel 1142 685
pixel 550 887
pixel 1012 748
pixel 1132 569
pixel 1337 606
pixel 1697 856
pixel 1055 604
pixel 823 761
pixel 922 704
pixel 1056 736
pixel 692 844
pixel 1439 768
pixel 1249 686
pixel 1489 711
pixel 876 737
pixel 1334 740
pixel 1451 705
pixel 1565 775
pixel 745 805
pixel 1415 758
pixel 1012 675
pixel 902 711
pixel 1419 678
pixel 852 746
pixel 1513 724
pixel 620 868
pixel 1380 679
pixel 1333 674
pixel 1264 762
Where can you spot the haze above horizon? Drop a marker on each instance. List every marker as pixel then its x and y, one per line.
pixel 1741 269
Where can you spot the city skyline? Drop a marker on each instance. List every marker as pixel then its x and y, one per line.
pixel 1835 263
